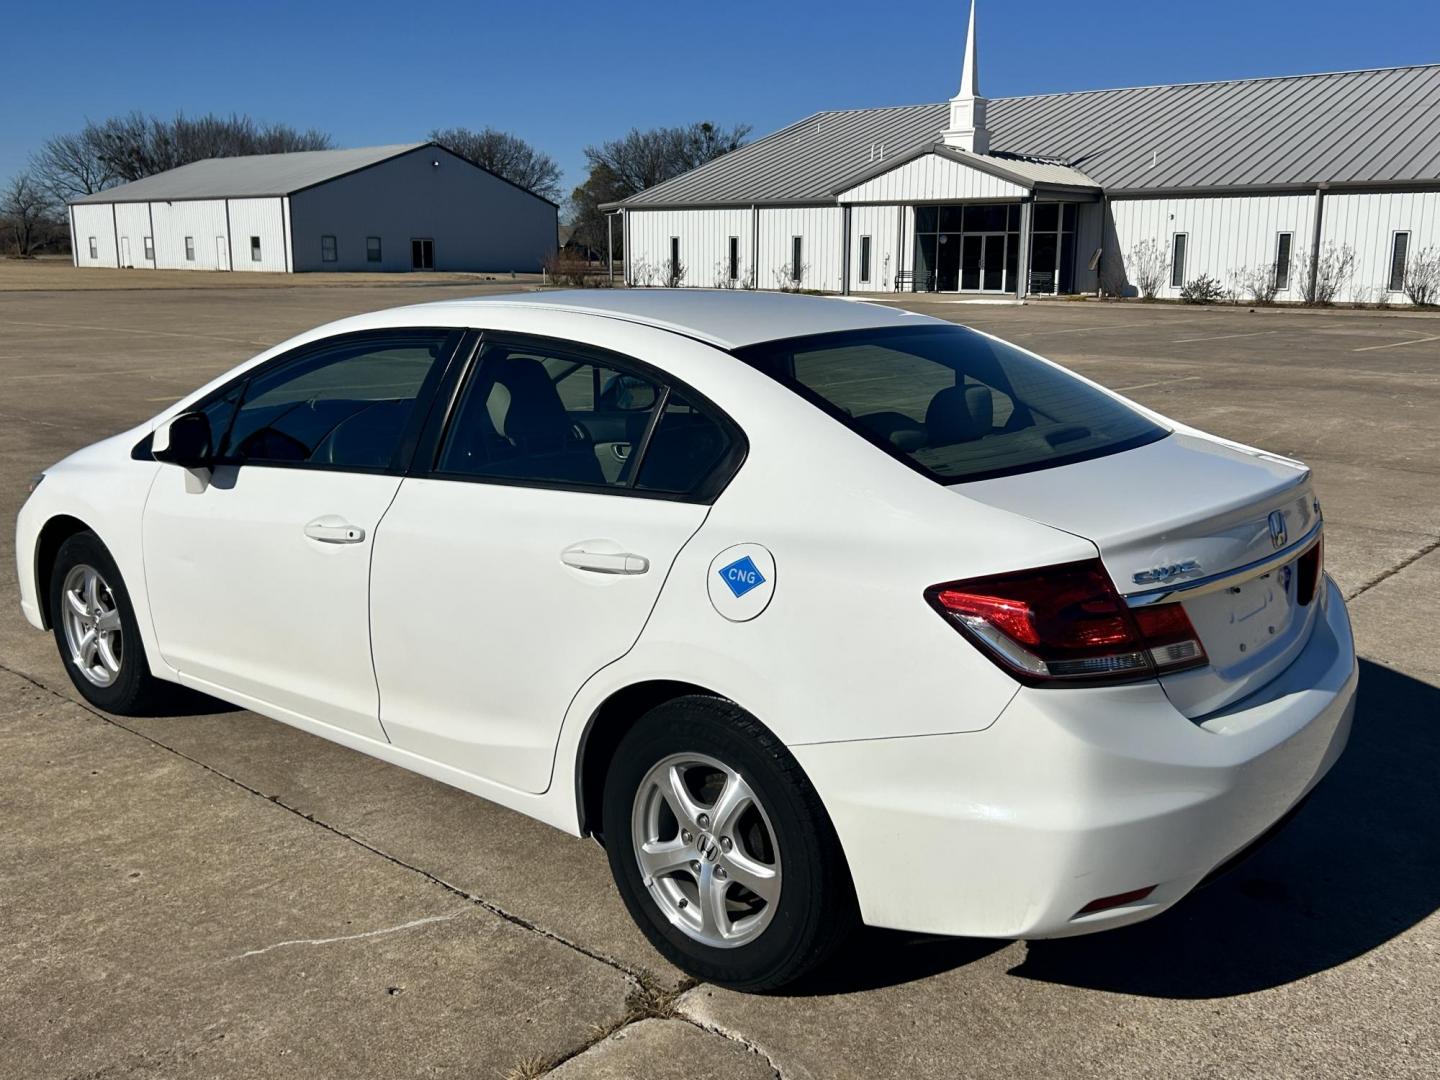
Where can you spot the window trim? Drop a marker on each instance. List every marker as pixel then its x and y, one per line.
pixel 1286 238
pixel 189 249
pixel 1390 285
pixel 255 250
pixel 1177 265
pixel 334 255
pixel 452 347
pixel 426 460
pixel 379 250
pixel 94 249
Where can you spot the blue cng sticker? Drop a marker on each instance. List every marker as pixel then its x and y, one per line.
pixel 741 576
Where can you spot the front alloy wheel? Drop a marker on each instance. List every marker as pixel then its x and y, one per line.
pixel 91 620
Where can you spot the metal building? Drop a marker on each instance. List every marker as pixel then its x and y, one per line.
pixel 381 208
pixel 1255 180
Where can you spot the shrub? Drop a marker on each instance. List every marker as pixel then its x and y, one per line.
pixel 1202 290
pixel 1322 278
pixel 1148 267
pixel 1422 278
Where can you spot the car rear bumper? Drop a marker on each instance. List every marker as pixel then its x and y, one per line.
pixel 1078 794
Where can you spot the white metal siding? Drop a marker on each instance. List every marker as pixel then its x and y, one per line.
pixel 704 243
pixel 821 249
pixel 132 223
pixel 1367 225
pixel 203 220
pixel 1089 218
pixel 262 218
pixel 933 178
pixel 94 219
pixel 882 224
pixel 477 221
pixel 1227 234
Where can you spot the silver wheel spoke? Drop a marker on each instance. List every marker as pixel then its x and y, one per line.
pixel 109 622
pixel 661 857
pixel 86 648
pixel 714 919
pixel 107 655
pixel 92 590
pixel 682 804
pixel 734 799
pixel 76 603
pixel 762 880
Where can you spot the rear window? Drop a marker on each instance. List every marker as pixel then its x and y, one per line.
pixel 952 403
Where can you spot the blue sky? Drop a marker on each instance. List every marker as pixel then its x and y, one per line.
pixel 563 75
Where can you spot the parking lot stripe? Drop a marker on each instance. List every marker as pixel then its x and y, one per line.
pixel 1396 344
pixel 1223 337
pixel 1158 382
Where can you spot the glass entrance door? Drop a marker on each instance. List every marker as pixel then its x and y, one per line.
pixel 992 267
pixel 972 254
pixel 983 262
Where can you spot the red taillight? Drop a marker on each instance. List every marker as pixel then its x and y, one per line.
pixel 1308 569
pixel 1067 623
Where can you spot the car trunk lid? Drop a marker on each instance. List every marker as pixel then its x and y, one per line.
pixel 1186 510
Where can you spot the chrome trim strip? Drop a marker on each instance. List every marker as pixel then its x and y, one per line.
pixel 1224 580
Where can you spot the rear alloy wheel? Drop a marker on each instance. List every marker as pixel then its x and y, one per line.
pixel 95 628
pixel 721 849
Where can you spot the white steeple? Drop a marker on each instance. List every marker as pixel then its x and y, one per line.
pixel 967 108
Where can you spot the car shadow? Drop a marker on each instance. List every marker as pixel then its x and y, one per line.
pixel 1359 865
pixel 180 701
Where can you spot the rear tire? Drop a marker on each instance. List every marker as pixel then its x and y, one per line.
pixel 95 629
pixel 714 803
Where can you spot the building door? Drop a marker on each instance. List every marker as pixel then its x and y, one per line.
pixel 983 262
pixel 947 263
pixel 422 254
pixel 222 254
pixel 125 251
pixel 972 255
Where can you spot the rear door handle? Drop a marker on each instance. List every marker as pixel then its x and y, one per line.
pixel 605 562
pixel 331 529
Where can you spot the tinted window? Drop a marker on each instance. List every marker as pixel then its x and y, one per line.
pixel 549 416
pixel 954 403
pixel 684 449
pixel 345 405
pixel 1397 261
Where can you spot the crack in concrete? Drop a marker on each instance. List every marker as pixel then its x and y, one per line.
pixel 725 1033
pixel 1385 575
pixel 352 937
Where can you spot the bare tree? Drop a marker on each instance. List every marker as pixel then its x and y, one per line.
pixel 505 155
pixel 1422 277
pixel 69 166
pixel 622 167
pixel 1325 275
pixel 1148 267
pixel 27 212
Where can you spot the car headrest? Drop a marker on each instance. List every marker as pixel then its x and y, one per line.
pixel 523 403
pixel 959 414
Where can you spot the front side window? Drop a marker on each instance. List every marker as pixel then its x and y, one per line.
pixel 550 416
pixel 1177 259
pixel 327 249
pixel 94 249
pixel 189 249
pixel 372 249
pixel 150 248
pixel 254 249
pixel 953 403
pixel 1399 249
pixel 343 404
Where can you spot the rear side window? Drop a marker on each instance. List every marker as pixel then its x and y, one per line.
pixel 545 415
pixel 343 405
pixel 954 404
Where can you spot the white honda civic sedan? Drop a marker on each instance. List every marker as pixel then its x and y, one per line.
pixel 814 612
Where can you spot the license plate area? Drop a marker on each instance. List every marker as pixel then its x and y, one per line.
pixel 1243 624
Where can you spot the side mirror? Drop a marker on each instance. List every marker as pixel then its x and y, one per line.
pixel 185 441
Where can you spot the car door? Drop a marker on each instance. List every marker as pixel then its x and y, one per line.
pixel 259 578
pixel 532 552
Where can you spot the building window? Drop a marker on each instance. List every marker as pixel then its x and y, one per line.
pixel 864 258
pixel 1177 259
pixel 1399 249
pixel 150 248
pixel 372 249
pixel 327 249
pixel 189 249
pixel 734 265
pixel 674 255
pixel 94 249
pixel 797 266
pixel 1282 261
pixel 254 249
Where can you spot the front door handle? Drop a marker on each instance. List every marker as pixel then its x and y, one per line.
pixel 331 529
pixel 605 562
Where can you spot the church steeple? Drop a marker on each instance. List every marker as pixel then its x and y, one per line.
pixel 967 108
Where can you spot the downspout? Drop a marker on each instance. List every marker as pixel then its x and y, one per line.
pixel 1315 241
pixel 845 251
pixel 154 245
pixel 1022 257
pixel 610 248
pixel 754 246
pixel 115 227
pixel 1100 262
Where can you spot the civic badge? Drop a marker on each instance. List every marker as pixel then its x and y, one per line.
pixel 1278 535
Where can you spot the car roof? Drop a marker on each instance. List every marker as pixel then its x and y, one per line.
pixel 729 318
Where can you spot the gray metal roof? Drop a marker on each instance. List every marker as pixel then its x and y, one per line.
pixel 1355 127
pixel 249 177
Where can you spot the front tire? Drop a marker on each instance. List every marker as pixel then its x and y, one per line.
pixel 95 629
pixel 721 849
